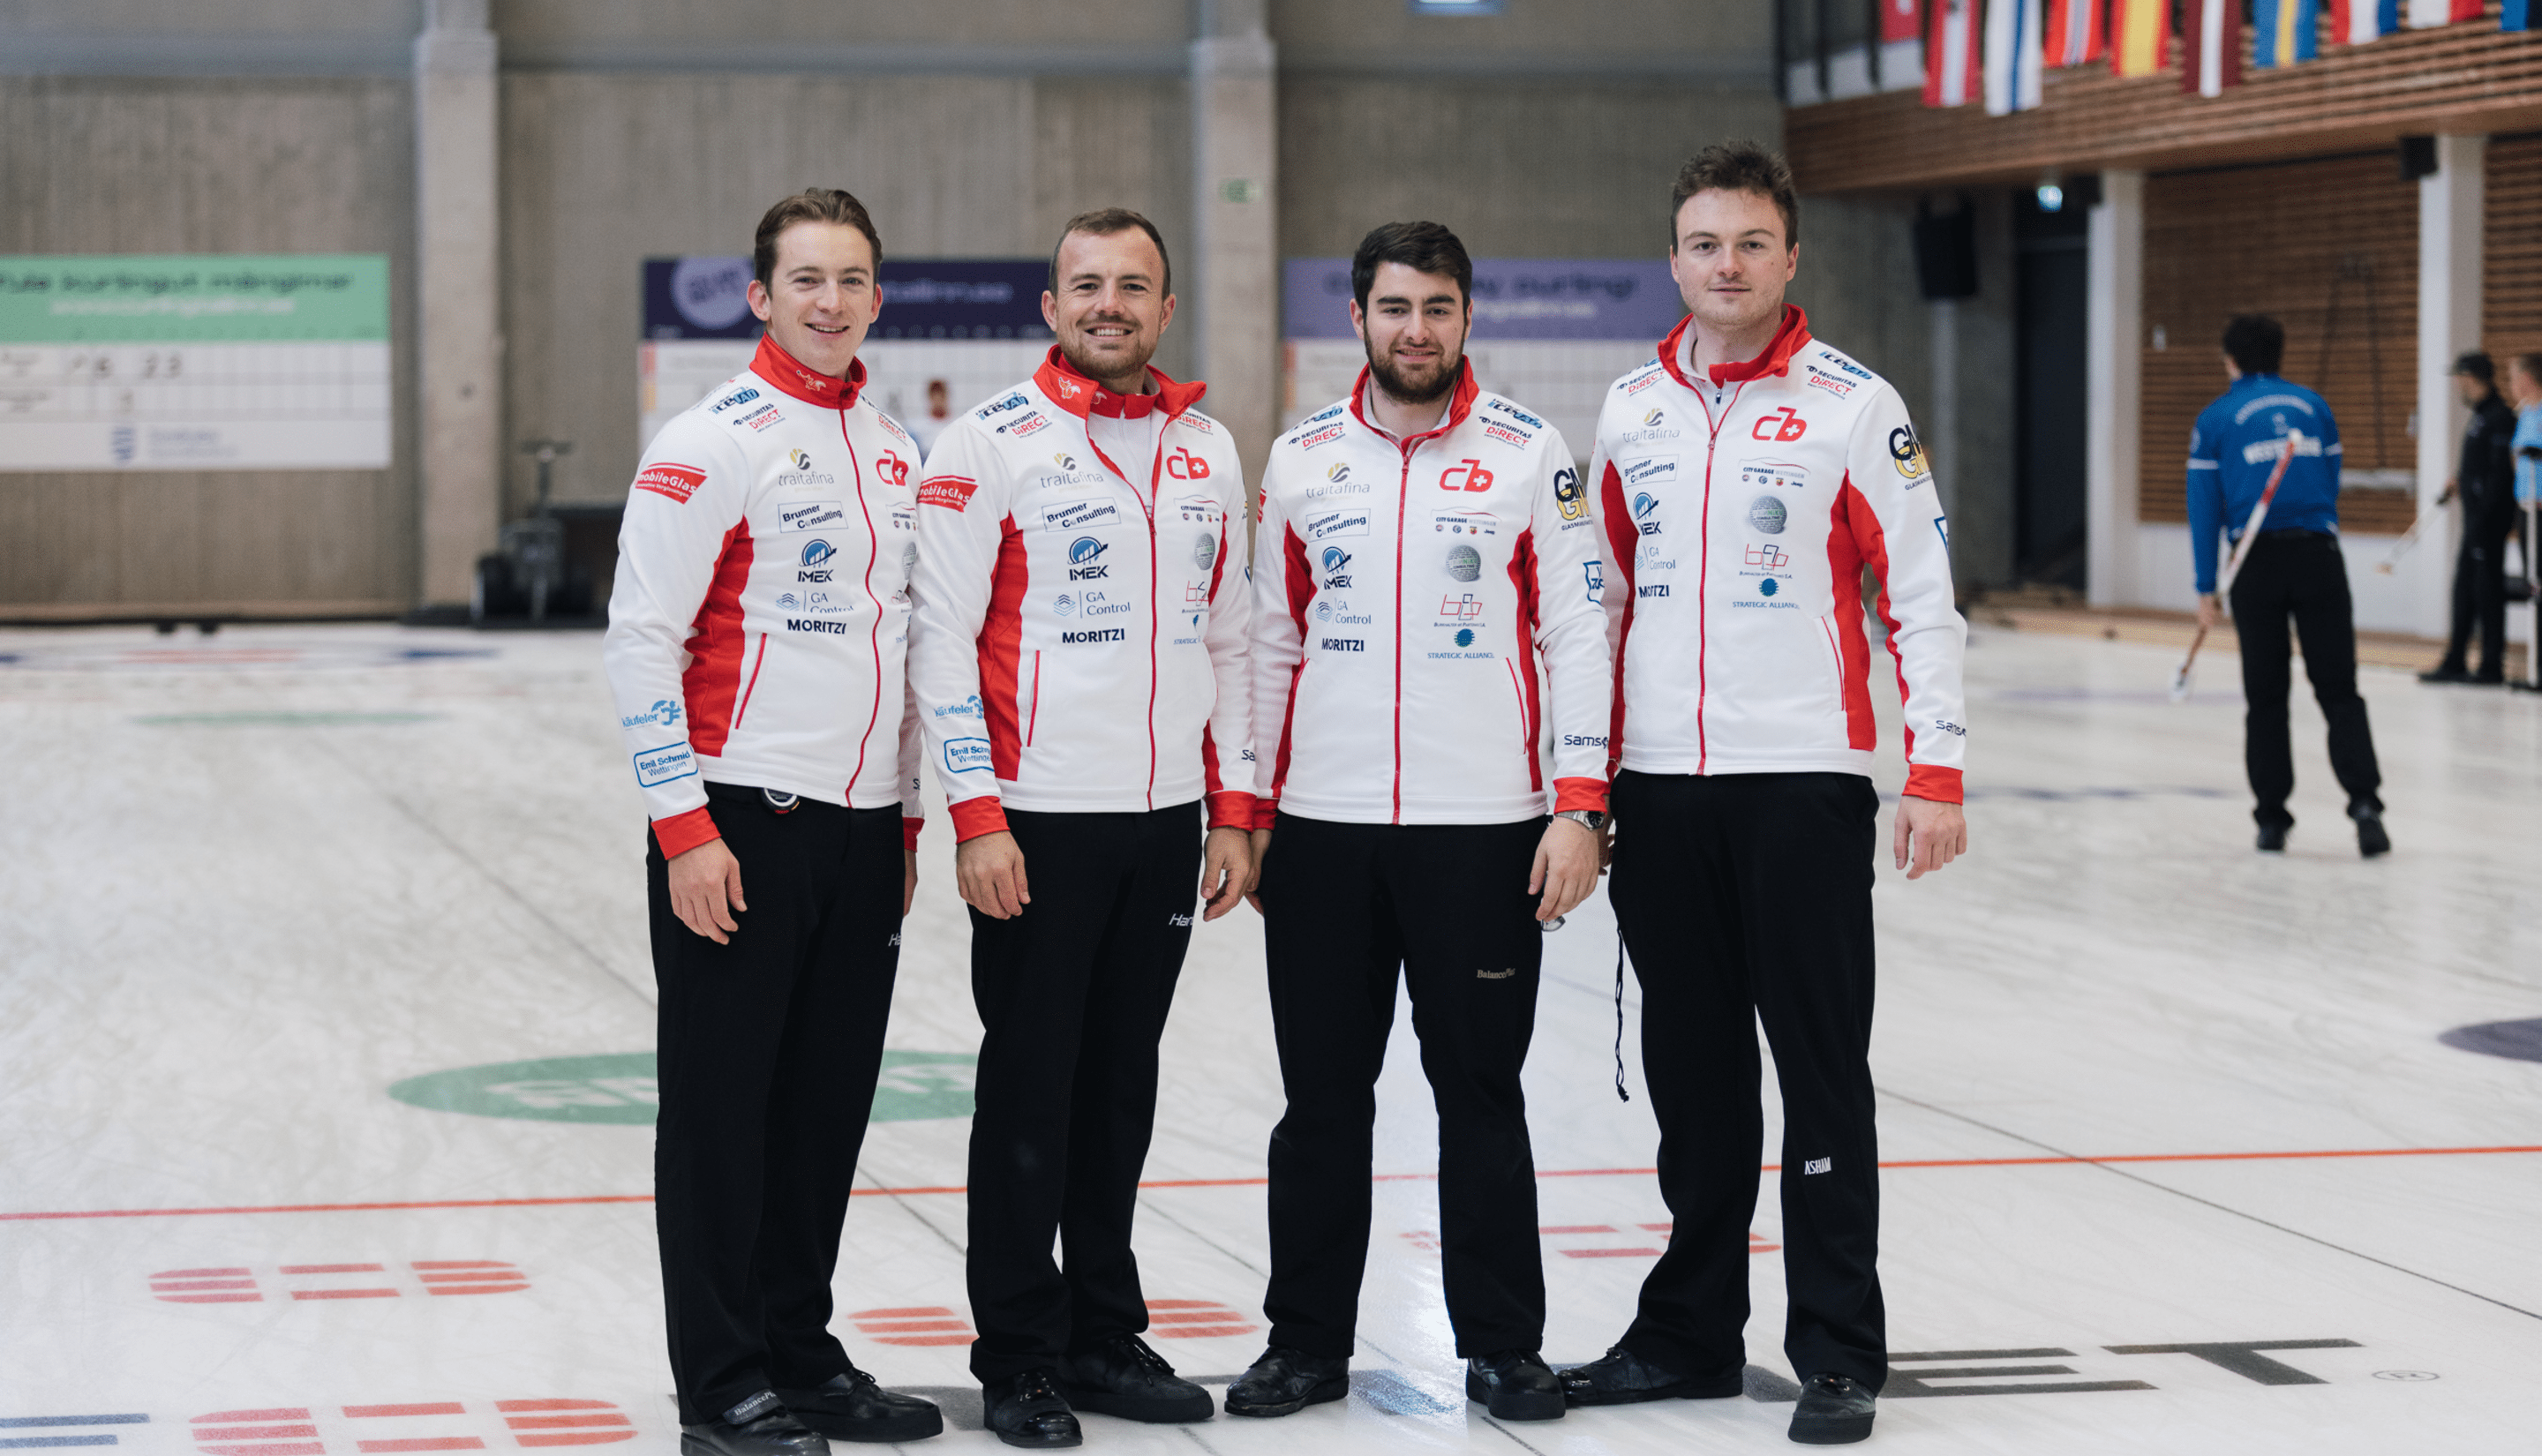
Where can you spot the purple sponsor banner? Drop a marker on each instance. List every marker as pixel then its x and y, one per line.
pixel 1559 298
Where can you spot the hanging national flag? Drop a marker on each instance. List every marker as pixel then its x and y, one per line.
pixel 2074 33
pixel 2284 31
pixel 1901 20
pixel 2141 37
pixel 2011 57
pixel 2212 57
pixel 2355 22
pixel 1951 67
pixel 2429 14
pixel 2514 15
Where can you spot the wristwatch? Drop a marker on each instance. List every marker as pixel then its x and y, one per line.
pixel 1591 820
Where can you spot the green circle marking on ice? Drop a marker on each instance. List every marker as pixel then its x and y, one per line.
pixel 622 1088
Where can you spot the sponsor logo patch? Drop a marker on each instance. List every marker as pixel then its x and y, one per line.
pixel 817 515
pixel 1327 524
pixel 953 493
pixel 659 765
pixel 678 482
pixel 1080 515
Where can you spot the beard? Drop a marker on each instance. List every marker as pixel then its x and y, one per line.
pixel 1132 363
pixel 1428 387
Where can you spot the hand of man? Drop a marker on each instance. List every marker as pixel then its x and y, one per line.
pixel 1607 845
pixel 990 870
pixel 2446 495
pixel 1225 870
pixel 908 881
pixel 1253 874
pixel 2210 611
pixel 1930 833
pixel 1566 868
pixel 703 880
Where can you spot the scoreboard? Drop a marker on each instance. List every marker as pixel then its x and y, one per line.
pixel 195 363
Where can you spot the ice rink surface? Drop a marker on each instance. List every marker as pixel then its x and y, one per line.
pixel 2177 1161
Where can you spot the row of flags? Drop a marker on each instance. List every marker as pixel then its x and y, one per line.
pixel 1994 51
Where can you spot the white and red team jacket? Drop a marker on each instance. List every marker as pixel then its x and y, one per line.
pixel 1079 643
pixel 1405 590
pixel 760 619
pixel 1741 508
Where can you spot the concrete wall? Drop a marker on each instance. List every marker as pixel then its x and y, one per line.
pixel 212 166
pixel 602 170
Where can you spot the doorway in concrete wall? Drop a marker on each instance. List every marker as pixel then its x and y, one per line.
pixel 2049 261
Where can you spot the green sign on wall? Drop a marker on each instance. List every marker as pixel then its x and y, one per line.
pixel 186 298
pixel 622 1088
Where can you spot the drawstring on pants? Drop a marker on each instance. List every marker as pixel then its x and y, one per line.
pixel 1621 1093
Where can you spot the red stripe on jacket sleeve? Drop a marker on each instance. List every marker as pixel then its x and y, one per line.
pixel 1522 570
pixel 1622 542
pixel 909 828
pixel 1872 545
pixel 1929 781
pixel 713 675
pixel 1301 585
pixel 682 832
pixel 1845 557
pixel 1001 648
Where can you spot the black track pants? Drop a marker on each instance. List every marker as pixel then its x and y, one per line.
pixel 1344 906
pixel 1072 995
pixel 2480 591
pixel 2299 574
pixel 768 1049
pixel 1747 897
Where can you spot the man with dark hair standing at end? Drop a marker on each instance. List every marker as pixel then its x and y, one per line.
pixel 2485 482
pixel 755 642
pixel 2293 570
pixel 1424 813
pixel 1079 657
pixel 1746 477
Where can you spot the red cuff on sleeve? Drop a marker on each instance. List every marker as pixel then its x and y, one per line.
pixel 682 832
pixel 1580 793
pixel 1941 785
pixel 909 828
pixel 1265 813
pixel 1231 808
pixel 973 818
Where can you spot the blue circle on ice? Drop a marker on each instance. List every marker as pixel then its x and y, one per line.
pixel 711 292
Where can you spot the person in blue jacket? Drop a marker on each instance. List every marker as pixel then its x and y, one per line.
pixel 2294 570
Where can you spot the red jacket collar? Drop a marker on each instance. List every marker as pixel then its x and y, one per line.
pixel 1459 404
pixel 779 368
pixel 1081 396
pixel 1789 339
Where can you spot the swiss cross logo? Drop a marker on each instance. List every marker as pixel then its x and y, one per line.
pixel 1466 475
pixel 241 1283
pixel 420 1426
pixel 1785 425
pixel 893 467
pixel 1182 464
pixel 678 482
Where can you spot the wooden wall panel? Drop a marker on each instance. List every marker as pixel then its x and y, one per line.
pixel 2286 240
pixel 2455 79
pixel 2511 321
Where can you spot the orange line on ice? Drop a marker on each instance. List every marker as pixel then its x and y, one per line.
pixel 2033 1162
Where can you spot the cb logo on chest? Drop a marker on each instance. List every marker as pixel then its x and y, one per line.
pixel 1182 464
pixel 1784 425
pixel 1466 475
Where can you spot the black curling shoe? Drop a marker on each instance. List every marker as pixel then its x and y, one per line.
pixel 1123 1377
pixel 1515 1385
pixel 1622 1377
pixel 1028 1411
pixel 2371 841
pixel 855 1407
pixel 2272 839
pixel 758 1426
pixel 1285 1381
pixel 1834 1411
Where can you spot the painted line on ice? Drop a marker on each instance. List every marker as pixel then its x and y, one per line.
pixel 2034 1162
